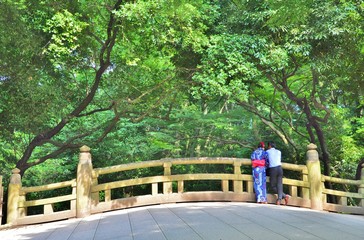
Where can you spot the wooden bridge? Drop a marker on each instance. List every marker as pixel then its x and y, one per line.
pixel 97 190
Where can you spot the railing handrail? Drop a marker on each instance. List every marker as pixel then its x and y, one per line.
pixel 47 187
pixel 174 161
pixel 342 180
pixel 1 198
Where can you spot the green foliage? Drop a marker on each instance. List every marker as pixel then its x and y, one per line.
pixel 187 78
pixel 64 28
pixel 292 11
pixel 225 70
pixel 56 170
pixel 161 24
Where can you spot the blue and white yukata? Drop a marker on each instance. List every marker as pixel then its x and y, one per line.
pixel 259 160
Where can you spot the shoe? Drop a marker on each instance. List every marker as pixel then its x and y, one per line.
pixel 278 202
pixel 286 198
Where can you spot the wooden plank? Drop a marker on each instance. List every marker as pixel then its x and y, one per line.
pixel 47 187
pixel 179 161
pixel 46 201
pixel 342 181
pixel 343 209
pixel 343 194
pixel 1 198
pixel 171 178
pixel 172 198
pixel 41 218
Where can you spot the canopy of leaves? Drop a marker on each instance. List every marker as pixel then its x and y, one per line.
pixel 142 80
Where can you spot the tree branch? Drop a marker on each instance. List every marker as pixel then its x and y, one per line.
pixel 104 58
pixel 98 110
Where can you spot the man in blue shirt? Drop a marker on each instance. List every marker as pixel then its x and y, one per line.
pixel 276 172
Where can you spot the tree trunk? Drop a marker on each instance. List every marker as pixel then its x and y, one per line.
pixel 358 170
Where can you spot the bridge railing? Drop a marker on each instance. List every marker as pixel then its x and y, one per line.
pixel 1 198
pixel 170 185
pixel 19 204
pixel 356 205
pixel 104 189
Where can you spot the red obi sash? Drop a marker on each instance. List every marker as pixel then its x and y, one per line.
pixel 258 163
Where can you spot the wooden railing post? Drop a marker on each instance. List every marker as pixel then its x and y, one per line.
pixel 361 187
pixel 95 197
pixel 1 198
pixel 314 177
pixel 84 180
pixel 238 185
pixel 13 196
pixel 305 191
pixel 167 186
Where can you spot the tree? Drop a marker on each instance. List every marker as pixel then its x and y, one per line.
pixel 90 65
pixel 82 73
pixel 286 70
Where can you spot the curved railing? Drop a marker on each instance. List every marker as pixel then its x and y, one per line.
pixel 343 196
pixel 1 198
pixel 90 193
pixel 235 186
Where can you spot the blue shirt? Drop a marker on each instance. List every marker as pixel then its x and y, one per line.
pixel 274 157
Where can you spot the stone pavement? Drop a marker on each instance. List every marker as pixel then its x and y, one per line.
pixel 206 220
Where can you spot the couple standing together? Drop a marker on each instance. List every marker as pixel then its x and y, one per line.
pixel 261 160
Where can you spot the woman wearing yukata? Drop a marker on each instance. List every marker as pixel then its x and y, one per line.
pixel 259 159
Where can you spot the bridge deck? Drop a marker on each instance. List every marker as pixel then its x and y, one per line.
pixel 207 220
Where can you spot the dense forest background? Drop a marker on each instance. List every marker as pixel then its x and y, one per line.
pixel 143 80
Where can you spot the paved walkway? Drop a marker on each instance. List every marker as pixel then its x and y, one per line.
pixel 207 220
